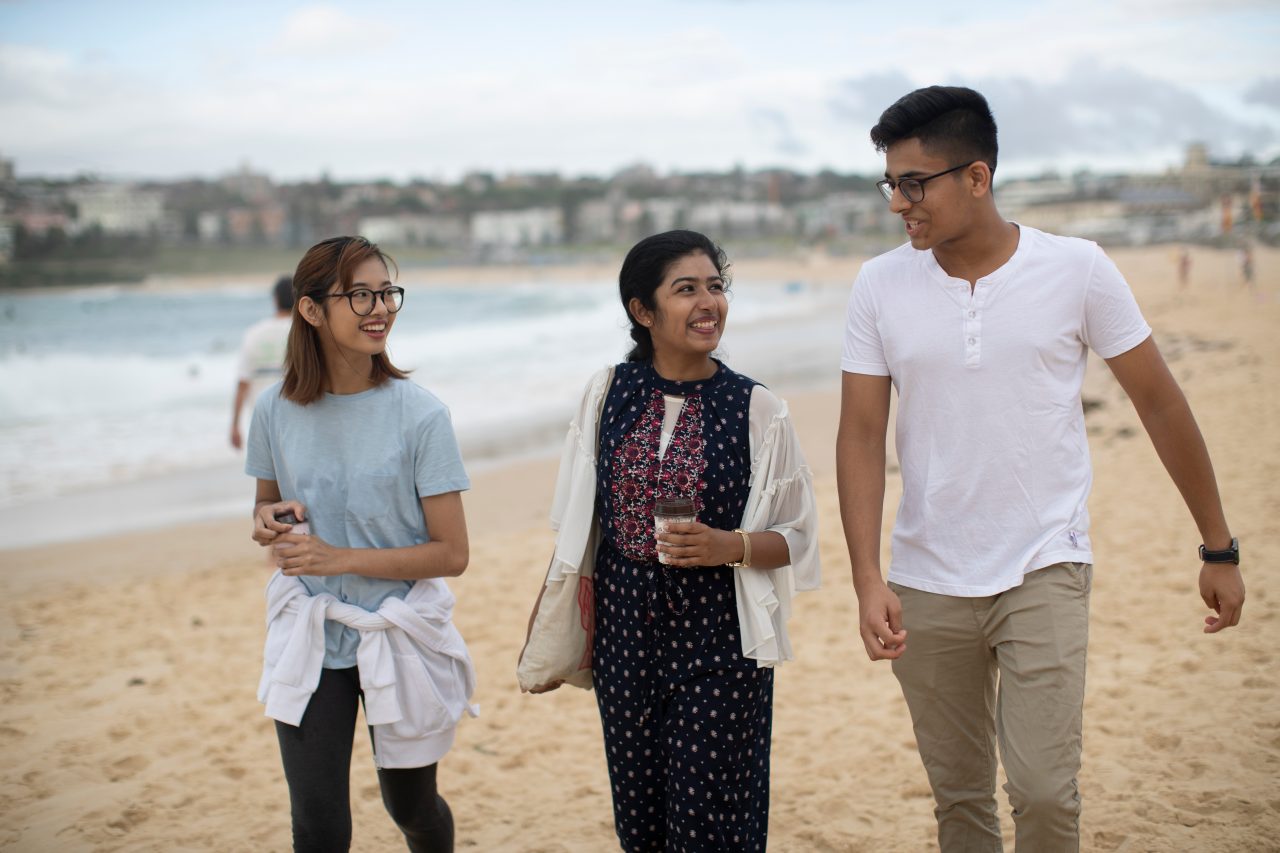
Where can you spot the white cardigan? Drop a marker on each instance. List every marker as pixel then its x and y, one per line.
pixel 415 671
pixel 781 500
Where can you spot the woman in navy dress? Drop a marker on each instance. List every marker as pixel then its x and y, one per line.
pixel 686 713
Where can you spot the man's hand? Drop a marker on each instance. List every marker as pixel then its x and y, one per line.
pixel 880 622
pixel 1222 588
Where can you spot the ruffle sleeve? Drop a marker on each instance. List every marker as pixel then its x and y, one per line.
pixel 781 499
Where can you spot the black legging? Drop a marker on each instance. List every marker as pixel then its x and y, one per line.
pixel 317 766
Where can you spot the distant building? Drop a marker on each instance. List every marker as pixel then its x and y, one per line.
pixel 6 243
pixel 209 226
pixel 536 226
pixel 844 215
pixel 639 219
pixel 739 218
pixel 41 222
pixel 253 187
pixel 596 221
pixel 415 229
pixel 118 208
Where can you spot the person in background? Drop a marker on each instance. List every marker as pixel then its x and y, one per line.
pixel 684 646
pixel 358 610
pixel 983 327
pixel 261 355
pixel 1244 257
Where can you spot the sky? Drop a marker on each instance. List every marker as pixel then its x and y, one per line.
pixel 402 90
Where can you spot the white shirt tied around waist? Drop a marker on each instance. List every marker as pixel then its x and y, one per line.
pixel 415 670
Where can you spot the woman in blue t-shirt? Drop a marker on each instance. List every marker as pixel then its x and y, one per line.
pixel 359 609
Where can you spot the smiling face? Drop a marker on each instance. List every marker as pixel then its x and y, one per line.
pixel 946 211
pixel 344 335
pixel 690 308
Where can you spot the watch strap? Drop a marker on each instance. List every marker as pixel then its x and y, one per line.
pixel 1227 555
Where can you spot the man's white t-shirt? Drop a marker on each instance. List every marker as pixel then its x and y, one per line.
pixel 990 430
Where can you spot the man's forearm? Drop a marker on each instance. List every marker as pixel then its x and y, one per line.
pixel 860 479
pixel 1181 448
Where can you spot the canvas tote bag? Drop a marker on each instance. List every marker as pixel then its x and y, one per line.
pixel 558 647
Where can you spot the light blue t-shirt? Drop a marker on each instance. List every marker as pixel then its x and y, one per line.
pixel 359 463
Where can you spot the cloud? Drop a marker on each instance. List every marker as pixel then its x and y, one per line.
pixel 1265 91
pixel 319 29
pixel 861 100
pixel 1110 110
pixel 32 75
pixel 1094 110
pixel 777 126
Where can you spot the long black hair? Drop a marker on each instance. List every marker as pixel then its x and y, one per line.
pixel 644 269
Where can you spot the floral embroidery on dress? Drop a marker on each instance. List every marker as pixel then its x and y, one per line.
pixel 640 477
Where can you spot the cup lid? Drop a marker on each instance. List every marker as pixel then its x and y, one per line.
pixel 673 506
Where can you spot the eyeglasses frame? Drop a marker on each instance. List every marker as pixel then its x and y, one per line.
pixel 373 303
pixel 886 187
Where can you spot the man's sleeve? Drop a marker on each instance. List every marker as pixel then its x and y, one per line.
pixel 863 346
pixel 1113 323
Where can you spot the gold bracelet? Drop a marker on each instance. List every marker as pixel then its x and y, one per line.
pixel 745 562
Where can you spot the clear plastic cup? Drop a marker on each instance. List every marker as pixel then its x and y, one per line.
pixel 668 511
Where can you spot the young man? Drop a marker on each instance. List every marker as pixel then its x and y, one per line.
pixel 983 327
pixel 261 357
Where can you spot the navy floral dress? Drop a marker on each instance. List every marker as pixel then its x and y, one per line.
pixel 686 717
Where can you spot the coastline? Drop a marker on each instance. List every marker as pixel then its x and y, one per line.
pixel 813 266
pixel 129 720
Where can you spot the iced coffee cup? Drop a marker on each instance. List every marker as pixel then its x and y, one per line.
pixel 668 511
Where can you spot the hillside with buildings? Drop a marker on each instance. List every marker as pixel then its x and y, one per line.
pixel 91 229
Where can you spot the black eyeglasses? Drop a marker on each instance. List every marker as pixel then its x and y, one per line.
pixel 362 299
pixel 912 188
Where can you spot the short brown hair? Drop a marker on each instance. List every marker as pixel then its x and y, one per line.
pixel 328 262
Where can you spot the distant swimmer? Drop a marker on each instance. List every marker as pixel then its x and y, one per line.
pixel 261 355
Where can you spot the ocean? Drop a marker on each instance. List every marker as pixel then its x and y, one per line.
pixel 113 396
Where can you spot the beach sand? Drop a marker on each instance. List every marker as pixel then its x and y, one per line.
pixel 129 720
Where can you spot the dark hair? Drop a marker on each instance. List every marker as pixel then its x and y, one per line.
pixel 950 121
pixel 328 262
pixel 646 266
pixel 283 292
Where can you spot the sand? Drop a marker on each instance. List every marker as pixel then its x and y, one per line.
pixel 129 720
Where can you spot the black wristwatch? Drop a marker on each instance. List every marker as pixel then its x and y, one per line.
pixel 1228 555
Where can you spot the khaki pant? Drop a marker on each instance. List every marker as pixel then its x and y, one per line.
pixel 1006 669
